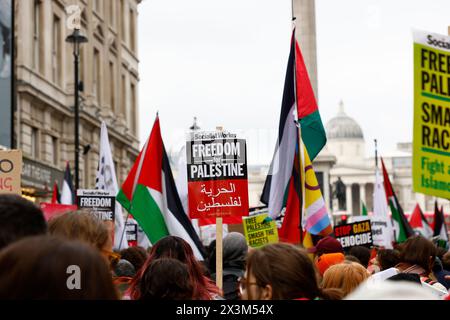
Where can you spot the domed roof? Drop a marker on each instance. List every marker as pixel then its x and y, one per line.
pixel 343 127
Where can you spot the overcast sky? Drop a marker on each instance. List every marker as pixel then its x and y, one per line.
pixel 225 61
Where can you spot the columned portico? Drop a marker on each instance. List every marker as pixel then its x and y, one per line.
pixel 348 198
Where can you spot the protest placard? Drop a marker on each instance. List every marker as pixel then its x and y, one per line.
pixel 260 230
pixel 217 175
pixel 354 234
pixel 100 202
pixel 132 233
pixel 431 140
pixel 10 171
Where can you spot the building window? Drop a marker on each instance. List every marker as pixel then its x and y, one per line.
pixel 96 77
pixel 55 150
pixel 56 50
pixel 112 92
pixel 36 32
pixel 122 20
pixel 124 96
pixel 132 31
pixel 112 13
pixel 87 172
pixel 133 110
pixel 34 143
pixel 98 6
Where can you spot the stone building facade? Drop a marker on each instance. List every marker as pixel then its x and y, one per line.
pixel 44 67
pixel 357 170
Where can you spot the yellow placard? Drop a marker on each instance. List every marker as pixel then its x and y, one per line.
pixel 431 141
pixel 10 171
pixel 260 230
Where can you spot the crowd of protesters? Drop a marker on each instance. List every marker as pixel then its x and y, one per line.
pixel 39 260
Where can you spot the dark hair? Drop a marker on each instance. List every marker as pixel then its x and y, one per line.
pixel 80 225
pixel 38 268
pixel 289 271
pixel 446 261
pixel 19 218
pixel 440 252
pixel 166 279
pixel 352 259
pixel 177 248
pixel 124 268
pixel 362 253
pixel 418 250
pixel 388 258
pixel 135 255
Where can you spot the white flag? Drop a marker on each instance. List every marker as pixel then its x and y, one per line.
pixel 381 223
pixel 106 180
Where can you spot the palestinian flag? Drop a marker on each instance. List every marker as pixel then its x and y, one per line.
pixel 283 183
pixel 419 223
pixel 401 224
pixel 149 194
pixel 440 229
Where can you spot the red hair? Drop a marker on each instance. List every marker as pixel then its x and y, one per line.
pixel 177 248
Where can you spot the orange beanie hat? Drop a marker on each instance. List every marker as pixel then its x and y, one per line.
pixel 327 260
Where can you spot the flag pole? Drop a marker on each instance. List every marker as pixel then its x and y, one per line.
pixel 297 123
pixel 219 245
pixel 376 154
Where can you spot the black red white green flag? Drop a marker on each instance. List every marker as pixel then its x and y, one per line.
pixel 149 194
pixel 401 225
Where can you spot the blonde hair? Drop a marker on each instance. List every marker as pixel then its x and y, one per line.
pixel 346 276
pixel 80 225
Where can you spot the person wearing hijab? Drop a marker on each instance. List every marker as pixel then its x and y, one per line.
pixel 234 253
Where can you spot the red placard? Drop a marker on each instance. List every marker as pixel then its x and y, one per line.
pixel 218 198
pixel 51 210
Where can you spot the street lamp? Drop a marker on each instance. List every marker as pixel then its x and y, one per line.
pixel 76 38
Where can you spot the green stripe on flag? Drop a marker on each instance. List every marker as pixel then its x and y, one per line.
pixel 148 214
pixel 401 236
pixel 313 134
pixel 123 200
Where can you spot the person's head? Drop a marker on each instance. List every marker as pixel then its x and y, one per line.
pixel 440 252
pixel 352 258
pixel 327 260
pixel 135 255
pixel 124 268
pixel 48 267
pixel 388 258
pixel 83 226
pixel 235 250
pixel 446 261
pixel 19 218
pixel 345 276
pixel 166 279
pixel 280 271
pixel 419 251
pixel 325 245
pixel 176 248
pixel 362 253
